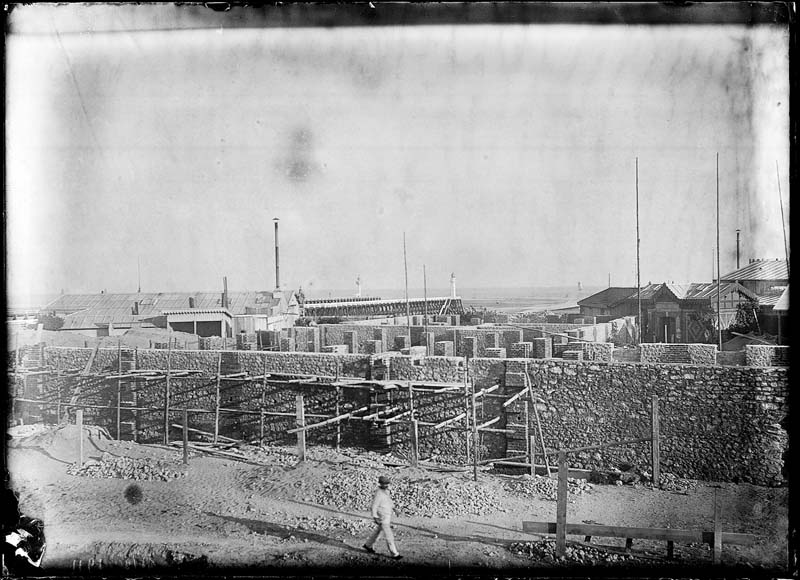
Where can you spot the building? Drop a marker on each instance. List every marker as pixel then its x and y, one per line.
pixel 760 276
pixel 608 302
pixel 202 313
pixel 686 312
pixel 768 280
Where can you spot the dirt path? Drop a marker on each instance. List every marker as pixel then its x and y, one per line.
pixel 230 514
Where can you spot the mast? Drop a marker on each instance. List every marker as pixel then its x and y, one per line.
pixel 425 298
pixel 408 308
pixel 719 313
pixel 638 272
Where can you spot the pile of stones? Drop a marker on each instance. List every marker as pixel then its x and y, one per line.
pixel 354 527
pixel 545 552
pixel 354 489
pixel 545 487
pixel 671 482
pixel 111 466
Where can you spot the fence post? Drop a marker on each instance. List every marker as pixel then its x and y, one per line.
pixel 656 451
pixel 301 435
pixel 79 423
pixel 185 436
pixel 717 553
pixel 561 505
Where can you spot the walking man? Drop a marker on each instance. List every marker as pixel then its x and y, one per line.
pixel 382 508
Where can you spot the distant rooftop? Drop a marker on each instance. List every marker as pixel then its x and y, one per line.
pixel 760 270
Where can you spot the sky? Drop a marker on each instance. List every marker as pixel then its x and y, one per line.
pixel 505 153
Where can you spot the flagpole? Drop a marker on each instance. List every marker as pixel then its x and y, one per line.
pixel 638 272
pixel 719 312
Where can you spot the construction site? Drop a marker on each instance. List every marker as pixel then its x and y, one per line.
pixel 508 463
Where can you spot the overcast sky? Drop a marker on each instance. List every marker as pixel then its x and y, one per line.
pixel 506 154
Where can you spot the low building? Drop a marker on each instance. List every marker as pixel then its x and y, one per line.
pixel 203 313
pixel 687 312
pixel 608 302
pixel 760 276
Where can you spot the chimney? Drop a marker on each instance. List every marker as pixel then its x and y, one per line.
pixel 453 285
pixel 191 301
pixel 277 258
pixel 737 249
pixel 224 291
pixel 135 309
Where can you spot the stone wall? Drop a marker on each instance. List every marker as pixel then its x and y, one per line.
pixel 678 353
pixel 717 422
pixel 757 355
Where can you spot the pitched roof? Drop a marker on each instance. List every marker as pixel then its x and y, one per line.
pixel 693 291
pixel 117 306
pixel 607 297
pixel 760 270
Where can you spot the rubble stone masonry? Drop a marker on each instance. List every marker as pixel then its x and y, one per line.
pixel 718 423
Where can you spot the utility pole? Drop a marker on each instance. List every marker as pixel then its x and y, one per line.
pixel 408 308
pixel 638 272
pixel 719 314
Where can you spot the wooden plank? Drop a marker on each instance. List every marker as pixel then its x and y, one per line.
pixel 414 427
pixel 561 506
pixel 475 442
pixel 528 439
pixel 206 433
pixel 538 424
pixel 301 433
pixel 655 434
pixel 658 534
pixel 486 390
pixel 328 421
pixel 489 422
pixel 448 421
pixel 514 398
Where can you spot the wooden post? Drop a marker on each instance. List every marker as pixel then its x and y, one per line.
pixel 216 399
pixel 532 446
pixel 541 440
pixel 528 442
pixel 263 406
pixel 119 385
pixel 670 549
pixel 301 435
pixel 561 505
pixel 79 423
pixel 656 452
pixel 167 394
pixel 475 441
pixel 717 553
pixel 336 414
pixel 467 434
pixel 185 436
pixel 413 428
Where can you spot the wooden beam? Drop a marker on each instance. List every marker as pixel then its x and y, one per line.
pixel 449 421
pixel 185 436
pixel 514 398
pixel 658 534
pixel 655 435
pixel 79 423
pixel 167 393
pixel 301 432
pixel 561 505
pixel 482 392
pixel 487 423
pixel 327 421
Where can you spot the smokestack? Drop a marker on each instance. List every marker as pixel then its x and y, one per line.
pixel 224 291
pixel 277 258
pixel 737 249
pixel 452 285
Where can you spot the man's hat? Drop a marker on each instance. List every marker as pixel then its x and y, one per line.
pixel 383 480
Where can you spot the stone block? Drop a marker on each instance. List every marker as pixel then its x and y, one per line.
pixel 513 379
pixel 542 348
pixel 336 349
pixel 521 350
pixel 469 347
pixel 401 342
pixel 351 340
pixel 492 340
pixel 443 348
pixel 373 346
pixel 495 352
pixel 287 344
pixel 573 355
